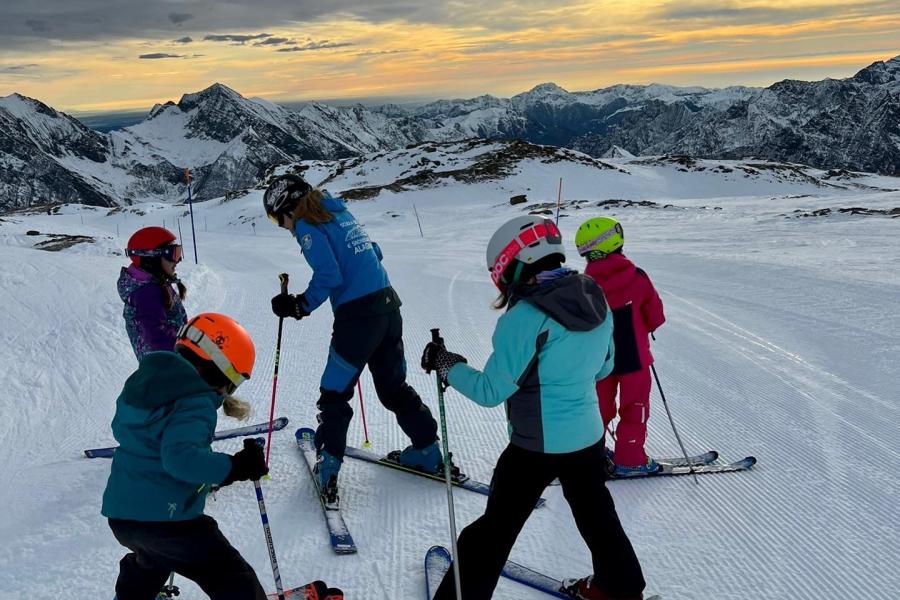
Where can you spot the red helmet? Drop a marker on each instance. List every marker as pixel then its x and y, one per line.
pixel 146 240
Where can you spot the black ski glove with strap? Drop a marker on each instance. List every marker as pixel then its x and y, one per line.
pixel 248 464
pixel 436 358
pixel 289 305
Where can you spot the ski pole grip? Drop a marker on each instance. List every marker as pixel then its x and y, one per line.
pixel 283 278
pixel 436 335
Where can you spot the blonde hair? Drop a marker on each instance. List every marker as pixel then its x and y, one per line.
pixel 309 208
pixel 236 408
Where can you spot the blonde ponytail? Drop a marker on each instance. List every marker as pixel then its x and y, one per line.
pixel 236 408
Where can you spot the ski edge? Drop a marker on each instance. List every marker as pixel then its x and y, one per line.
pixel 339 534
pixel 469 484
pixel 226 434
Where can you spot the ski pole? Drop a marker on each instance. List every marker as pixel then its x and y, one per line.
pixel 436 338
pixel 266 529
pixel 362 409
pixel 672 421
pixel 284 288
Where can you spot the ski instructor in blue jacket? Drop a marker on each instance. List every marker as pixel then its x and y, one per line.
pixel 368 329
pixel 550 347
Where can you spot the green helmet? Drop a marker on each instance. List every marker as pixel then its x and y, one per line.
pixel 598 237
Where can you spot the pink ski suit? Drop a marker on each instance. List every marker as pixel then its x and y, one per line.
pixel 637 312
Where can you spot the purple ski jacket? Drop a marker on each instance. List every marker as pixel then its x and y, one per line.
pixel 150 325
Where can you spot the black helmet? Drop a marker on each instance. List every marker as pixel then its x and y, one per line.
pixel 283 194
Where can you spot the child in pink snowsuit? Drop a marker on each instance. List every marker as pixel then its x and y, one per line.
pixel 637 312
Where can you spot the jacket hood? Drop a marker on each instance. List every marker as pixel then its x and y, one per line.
pixel 333 204
pixel 130 279
pixel 162 378
pixel 613 273
pixel 571 299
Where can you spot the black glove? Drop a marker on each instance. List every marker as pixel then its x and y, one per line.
pixel 289 305
pixel 436 358
pixel 248 464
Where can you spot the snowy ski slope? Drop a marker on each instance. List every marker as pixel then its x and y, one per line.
pixel 782 341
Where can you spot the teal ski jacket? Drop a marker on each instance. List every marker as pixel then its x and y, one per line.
pixel 165 421
pixel 550 348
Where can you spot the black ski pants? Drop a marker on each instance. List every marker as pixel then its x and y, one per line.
pixel 376 341
pixel 195 549
pixel 519 478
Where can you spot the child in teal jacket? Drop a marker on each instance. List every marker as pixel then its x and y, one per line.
pixel 154 499
pixel 547 348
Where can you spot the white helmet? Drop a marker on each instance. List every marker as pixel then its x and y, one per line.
pixel 526 239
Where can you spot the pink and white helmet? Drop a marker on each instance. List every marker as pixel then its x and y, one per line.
pixel 526 239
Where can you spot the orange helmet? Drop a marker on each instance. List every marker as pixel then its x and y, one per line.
pixel 223 341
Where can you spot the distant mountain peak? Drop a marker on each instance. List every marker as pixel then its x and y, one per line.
pixel 214 93
pixel 547 88
pixel 880 72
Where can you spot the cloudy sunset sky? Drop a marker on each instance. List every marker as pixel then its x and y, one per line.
pixel 101 55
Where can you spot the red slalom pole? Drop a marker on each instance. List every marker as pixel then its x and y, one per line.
pixel 362 409
pixel 284 288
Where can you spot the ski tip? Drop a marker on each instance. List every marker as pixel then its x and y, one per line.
pixel 436 551
pixel 750 461
pixel 304 433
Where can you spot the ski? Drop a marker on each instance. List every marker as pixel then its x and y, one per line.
pixel 463 481
pixel 310 591
pixel 698 459
pixel 225 434
pixel 667 470
pixel 437 563
pixel 341 540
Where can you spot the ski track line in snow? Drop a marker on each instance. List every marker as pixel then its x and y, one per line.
pixel 736 330
pixel 799 383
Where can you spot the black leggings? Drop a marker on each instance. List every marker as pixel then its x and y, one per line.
pixel 376 341
pixel 519 478
pixel 195 549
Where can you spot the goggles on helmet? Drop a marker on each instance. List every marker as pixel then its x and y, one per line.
pixel 170 252
pixel 546 230
pixel 591 245
pixel 200 339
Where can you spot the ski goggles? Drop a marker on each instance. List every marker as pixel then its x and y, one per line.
pixel 541 231
pixel 197 338
pixel 171 252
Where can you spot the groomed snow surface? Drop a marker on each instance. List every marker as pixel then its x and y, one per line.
pixel 781 342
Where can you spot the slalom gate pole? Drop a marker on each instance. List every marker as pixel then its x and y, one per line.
pixel 284 288
pixel 279 588
pixel 362 409
pixel 558 201
pixel 436 338
pixel 188 179
pixel 672 421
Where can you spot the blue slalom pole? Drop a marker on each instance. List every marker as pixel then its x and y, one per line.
pixel 187 179
pixel 266 529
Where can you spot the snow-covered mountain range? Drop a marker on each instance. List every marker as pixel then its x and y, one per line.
pixel 230 142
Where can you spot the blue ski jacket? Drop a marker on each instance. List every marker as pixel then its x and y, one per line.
pixel 165 421
pixel 346 264
pixel 550 348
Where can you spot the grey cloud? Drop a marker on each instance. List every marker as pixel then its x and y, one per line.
pixel 237 38
pixel 274 41
pixel 381 52
pixel 315 46
pixel 18 68
pixel 732 13
pixel 156 55
pixel 179 18
pixel 25 25
pixel 37 25
pixel 184 40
